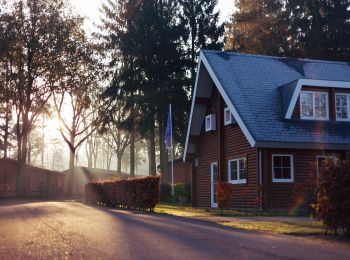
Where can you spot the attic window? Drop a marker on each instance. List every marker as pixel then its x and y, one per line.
pixel 228 117
pixel 314 105
pixel 210 123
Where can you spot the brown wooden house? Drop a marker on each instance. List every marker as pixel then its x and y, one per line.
pixel 264 125
pixel 41 182
pixel 182 172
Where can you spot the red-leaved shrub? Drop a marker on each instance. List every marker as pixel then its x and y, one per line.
pixel 333 196
pixel 140 194
pixel 224 193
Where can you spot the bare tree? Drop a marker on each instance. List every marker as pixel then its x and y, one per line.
pixel 77 100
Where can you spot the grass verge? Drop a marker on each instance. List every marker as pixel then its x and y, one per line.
pixel 244 220
pixel 280 227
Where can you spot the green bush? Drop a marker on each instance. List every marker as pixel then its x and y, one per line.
pixel 141 193
pixel 333 196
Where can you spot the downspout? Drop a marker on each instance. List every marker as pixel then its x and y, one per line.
pixel 260 180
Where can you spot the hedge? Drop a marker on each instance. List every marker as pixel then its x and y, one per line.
pixel 333 196
pixel 140 194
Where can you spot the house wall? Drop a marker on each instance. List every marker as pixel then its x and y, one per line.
pixel 298 194
pixel 226 143
pixel 182 172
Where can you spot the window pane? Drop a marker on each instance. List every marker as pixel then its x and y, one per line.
pixel 306 104
pixel 320 105
pixel 215 168
pixel 243 169
pixel 285 161
pixel 286 173
pixel 341 106
pixel 278 173
pixel 227 115
pixel 233 170
pixel 277 161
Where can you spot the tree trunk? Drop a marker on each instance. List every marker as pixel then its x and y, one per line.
pixel 72 153
pixel 6 130
pixel 119 163
pixel 152 151
pixel 71 173
pixel 163 153
pixel 132 143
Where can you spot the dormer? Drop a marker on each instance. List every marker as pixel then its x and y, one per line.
pixel 309 99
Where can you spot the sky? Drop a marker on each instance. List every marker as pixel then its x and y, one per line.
pixel 90 9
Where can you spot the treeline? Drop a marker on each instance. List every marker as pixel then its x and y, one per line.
pixel 318 29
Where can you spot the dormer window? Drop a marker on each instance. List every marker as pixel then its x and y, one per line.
pixel 228 117
pixel 342 106
pixel 314 105
pixel 210 123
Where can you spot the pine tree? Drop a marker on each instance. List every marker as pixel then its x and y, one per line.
pixel 256 27
pixel 203 30
pixel 318 29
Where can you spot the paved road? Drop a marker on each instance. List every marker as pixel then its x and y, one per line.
pixel 72 230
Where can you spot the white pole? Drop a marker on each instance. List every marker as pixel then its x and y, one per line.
pixel 172 151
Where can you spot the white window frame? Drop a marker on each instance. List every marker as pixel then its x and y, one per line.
pixel 239 180
pixel 313 106
pixel 212 123
pixel 230 120
pixel 347 103
pixel 277 180
pixel 333 157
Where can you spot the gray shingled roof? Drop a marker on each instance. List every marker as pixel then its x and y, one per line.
pixel 253 82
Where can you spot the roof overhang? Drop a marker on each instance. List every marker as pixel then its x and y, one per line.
pixel 205 73
pixel 312 83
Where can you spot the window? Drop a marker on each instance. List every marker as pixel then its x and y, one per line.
pixel 314 105
pixel 228 117
pixel 214 182
pixel 321 160
pixel 342 107
pixel 210 123
pixel 237 171
pixel 282 168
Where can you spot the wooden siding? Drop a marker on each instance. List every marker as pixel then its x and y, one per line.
pixel 298 194
pixel 223 144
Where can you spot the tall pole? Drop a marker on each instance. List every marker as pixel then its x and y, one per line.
pixel 172 151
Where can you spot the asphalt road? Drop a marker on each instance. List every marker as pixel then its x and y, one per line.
pixel 72 230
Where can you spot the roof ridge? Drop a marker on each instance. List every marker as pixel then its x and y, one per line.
pixel 261 56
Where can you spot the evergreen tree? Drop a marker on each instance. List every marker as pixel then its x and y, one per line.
pixel 150 72
pixel 257 27
pixel 318 29
pixel 203 30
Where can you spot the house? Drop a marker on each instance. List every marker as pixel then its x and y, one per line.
pixel 182 172
pixel 264 125
pixel 41 182
pixel 83 175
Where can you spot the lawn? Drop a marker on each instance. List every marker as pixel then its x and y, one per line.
pixel 271 222
pixel 186 211
pixel 280 227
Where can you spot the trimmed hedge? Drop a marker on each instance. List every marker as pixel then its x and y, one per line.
pixel 333 196
pixel 140 194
